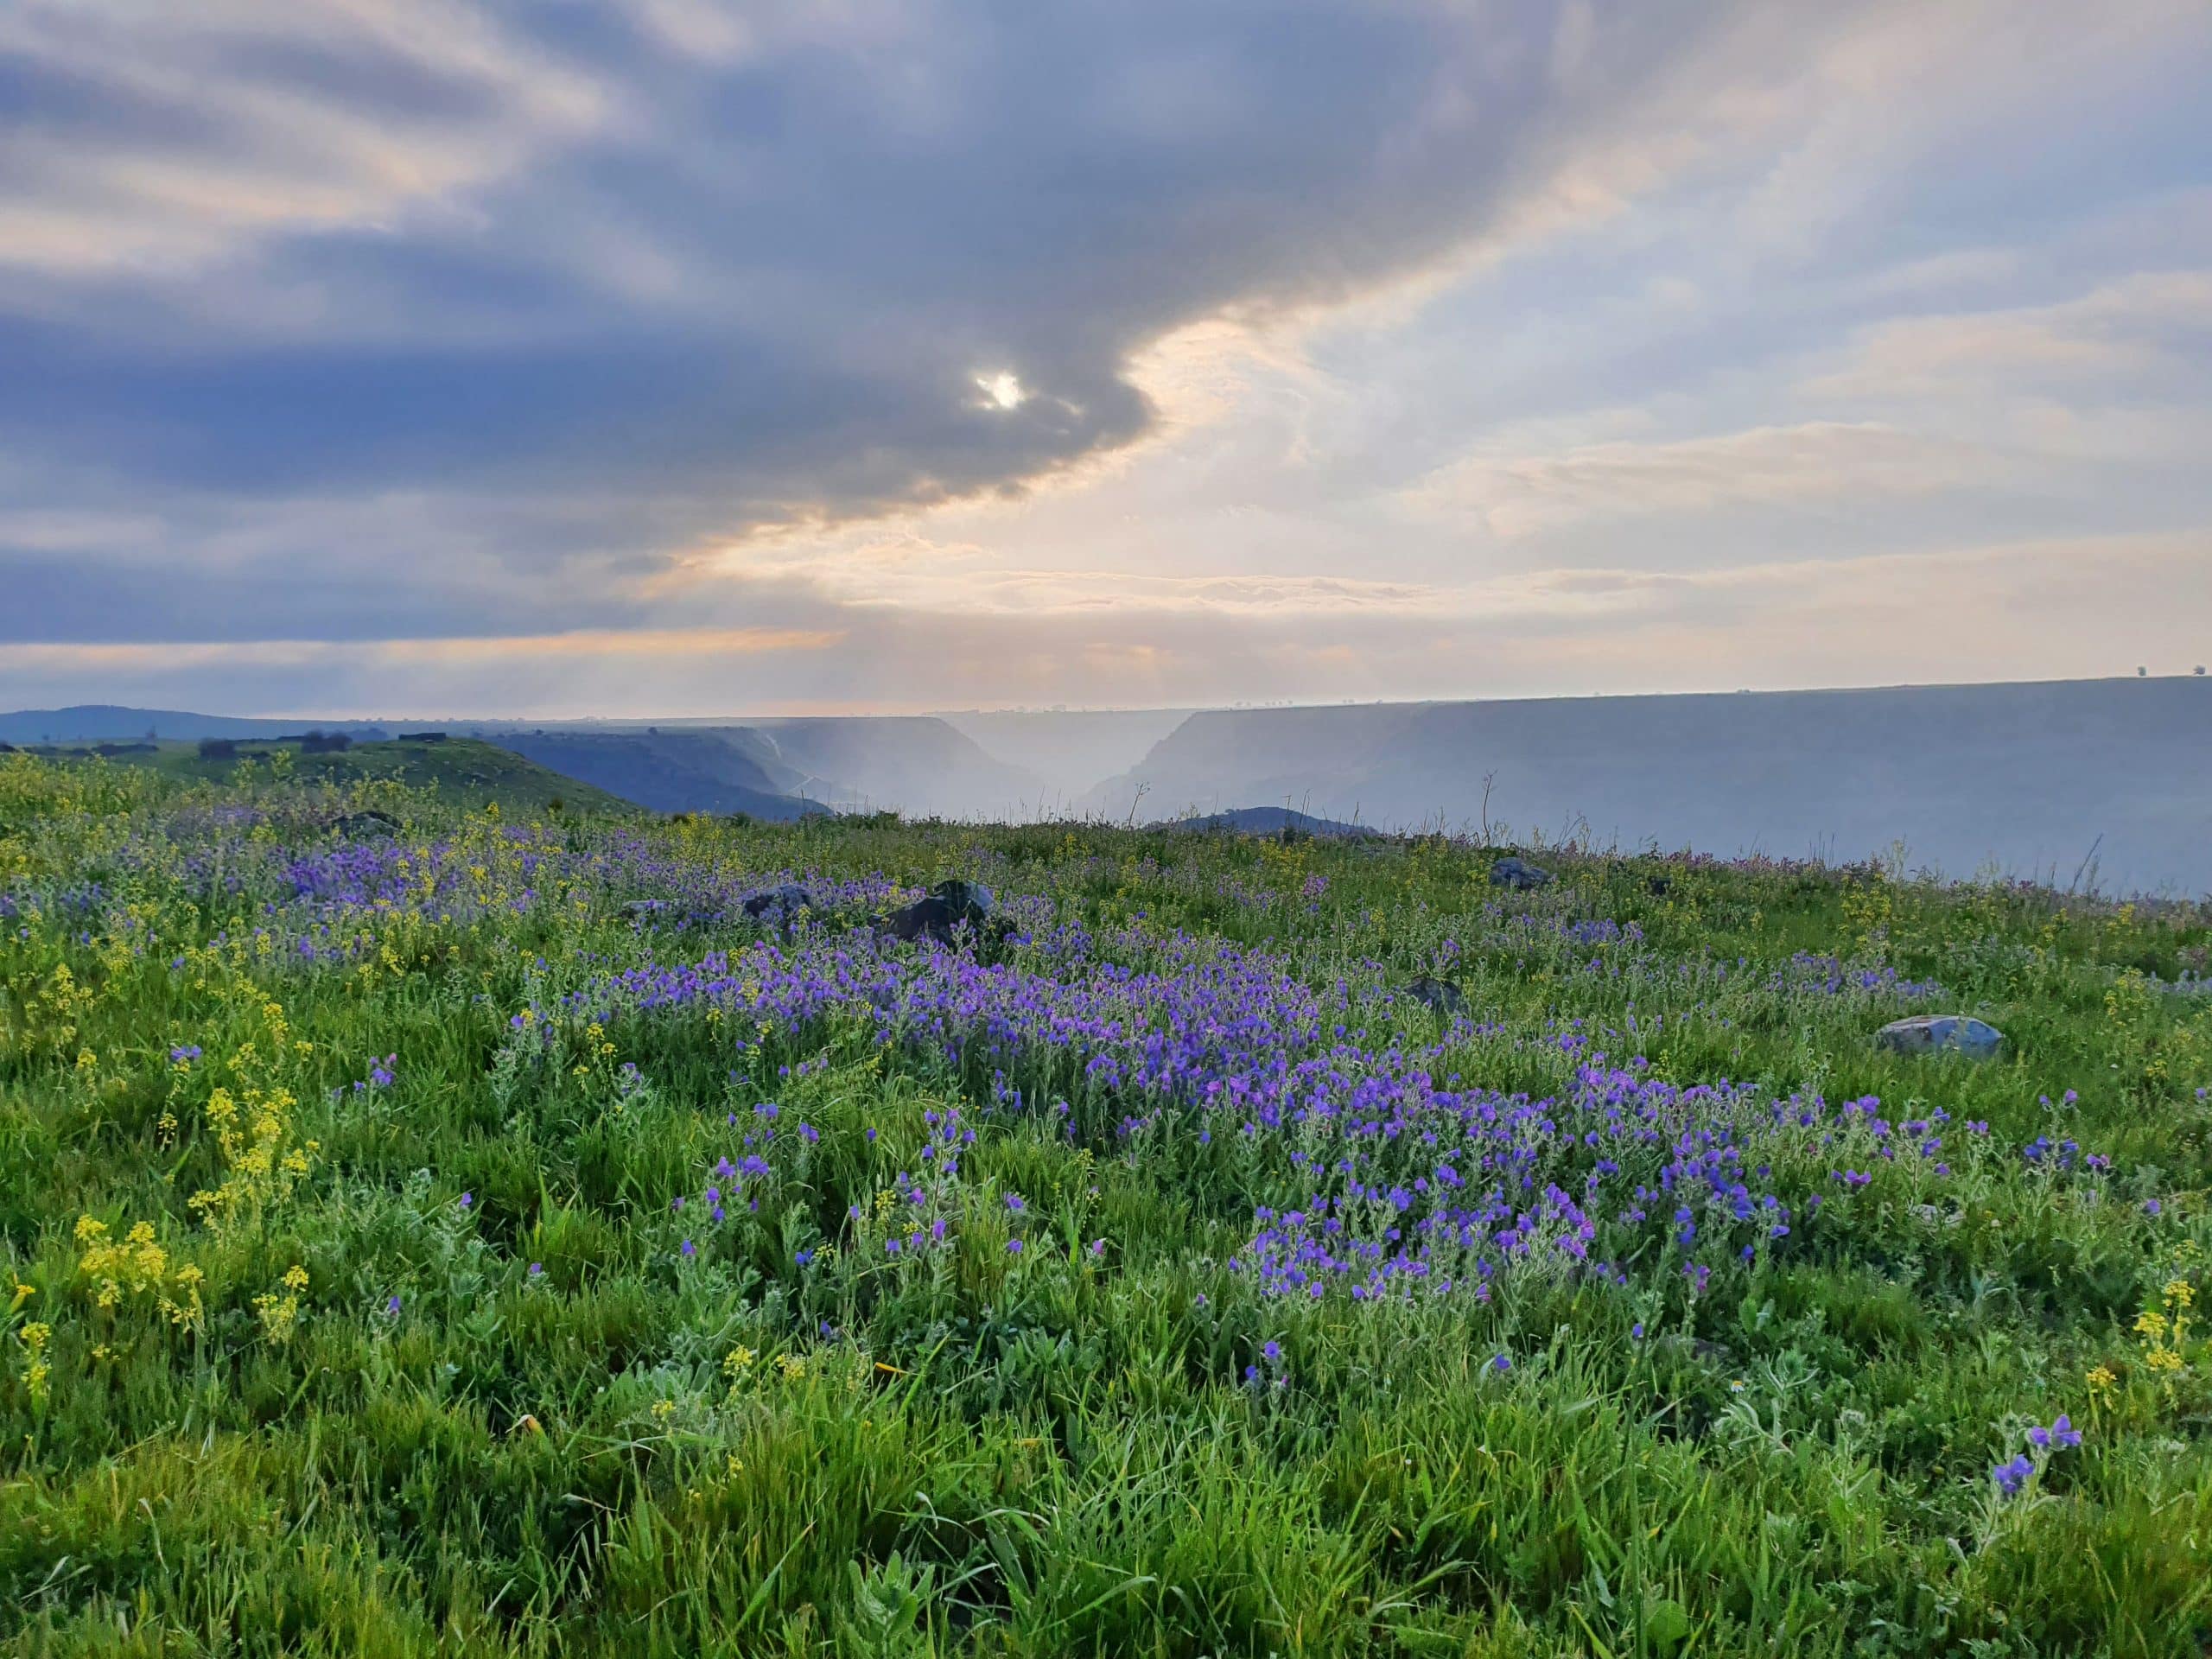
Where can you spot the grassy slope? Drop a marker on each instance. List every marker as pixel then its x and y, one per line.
pixel 507 1412
pixel 461 770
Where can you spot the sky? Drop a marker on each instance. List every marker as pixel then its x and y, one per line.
pixel 664 357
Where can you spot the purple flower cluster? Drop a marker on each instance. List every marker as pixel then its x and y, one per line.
pixel 2012 1475
pixel 2015 1471
pixel 1831 976
pixel 1369 1173
pixel 454 878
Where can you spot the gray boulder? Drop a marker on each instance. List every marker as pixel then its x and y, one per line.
pixel 1441 994
pixel 1925 1034
pixel 1518 875
pixel 779 906
pixel 365 825
pixel 949 905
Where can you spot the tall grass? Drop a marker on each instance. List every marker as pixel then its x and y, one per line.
pixel 357 1216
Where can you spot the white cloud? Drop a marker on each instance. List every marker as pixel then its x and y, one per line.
pixel 2130 326
pixel 221 122
pixel 1820 462
pixel 993 343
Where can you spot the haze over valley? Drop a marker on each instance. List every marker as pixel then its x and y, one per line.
pixel 2102 784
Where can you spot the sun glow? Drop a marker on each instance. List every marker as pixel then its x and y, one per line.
pixel 1001 390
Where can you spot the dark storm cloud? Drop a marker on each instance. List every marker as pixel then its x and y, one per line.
pixel 712 269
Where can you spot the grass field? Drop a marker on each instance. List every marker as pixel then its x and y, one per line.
pixel 490 1239
pixel 460 771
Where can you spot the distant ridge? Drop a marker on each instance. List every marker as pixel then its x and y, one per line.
pixel 913 763
pixel 704 771
pixel 108 722
pixel 2103 782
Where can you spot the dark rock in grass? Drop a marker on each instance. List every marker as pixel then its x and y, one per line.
pixel 779 906
pixel 1518 875
pixel 364 825
pixel 1441 994
pixel 948 904
pixel 1925 1034
pixel 972 899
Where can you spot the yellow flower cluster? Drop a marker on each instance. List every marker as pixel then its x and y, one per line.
pixel 34 1337
pixel 136 1265
pixel 597 1049
pixel 2165 1329
pixel 50 1013
pixel 280 1315
pixel 738 1366
pixel 259 1164
pixel 254 1131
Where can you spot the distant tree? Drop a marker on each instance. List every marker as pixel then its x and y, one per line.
pixel 218 748
pixel 318 741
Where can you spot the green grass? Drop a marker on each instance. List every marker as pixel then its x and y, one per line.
pixel 532 1424
pixel 460 771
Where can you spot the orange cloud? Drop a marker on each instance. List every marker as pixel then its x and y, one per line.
pixel 580 643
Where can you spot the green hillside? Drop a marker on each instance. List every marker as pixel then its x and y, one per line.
pixel 507 1236
pixel 462 772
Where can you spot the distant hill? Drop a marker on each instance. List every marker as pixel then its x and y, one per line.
pixel 695 770
pixel 104 723
pixel 780 768
pixel 2034 778
pixel 460 770
pixel 1269 821
pixel 917 765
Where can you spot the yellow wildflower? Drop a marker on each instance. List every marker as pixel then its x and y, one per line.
pixel 34 1337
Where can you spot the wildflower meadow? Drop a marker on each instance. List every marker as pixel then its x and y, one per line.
pixel 489 1235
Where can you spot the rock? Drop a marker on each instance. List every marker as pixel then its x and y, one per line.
pixel 972 899
pixel 1925 1034
pixel 780 905
pixel 1518 875
pixel 370 822
pixel 950 904
pixel 1441 994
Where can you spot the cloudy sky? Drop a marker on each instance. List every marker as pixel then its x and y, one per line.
pixel 667 357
